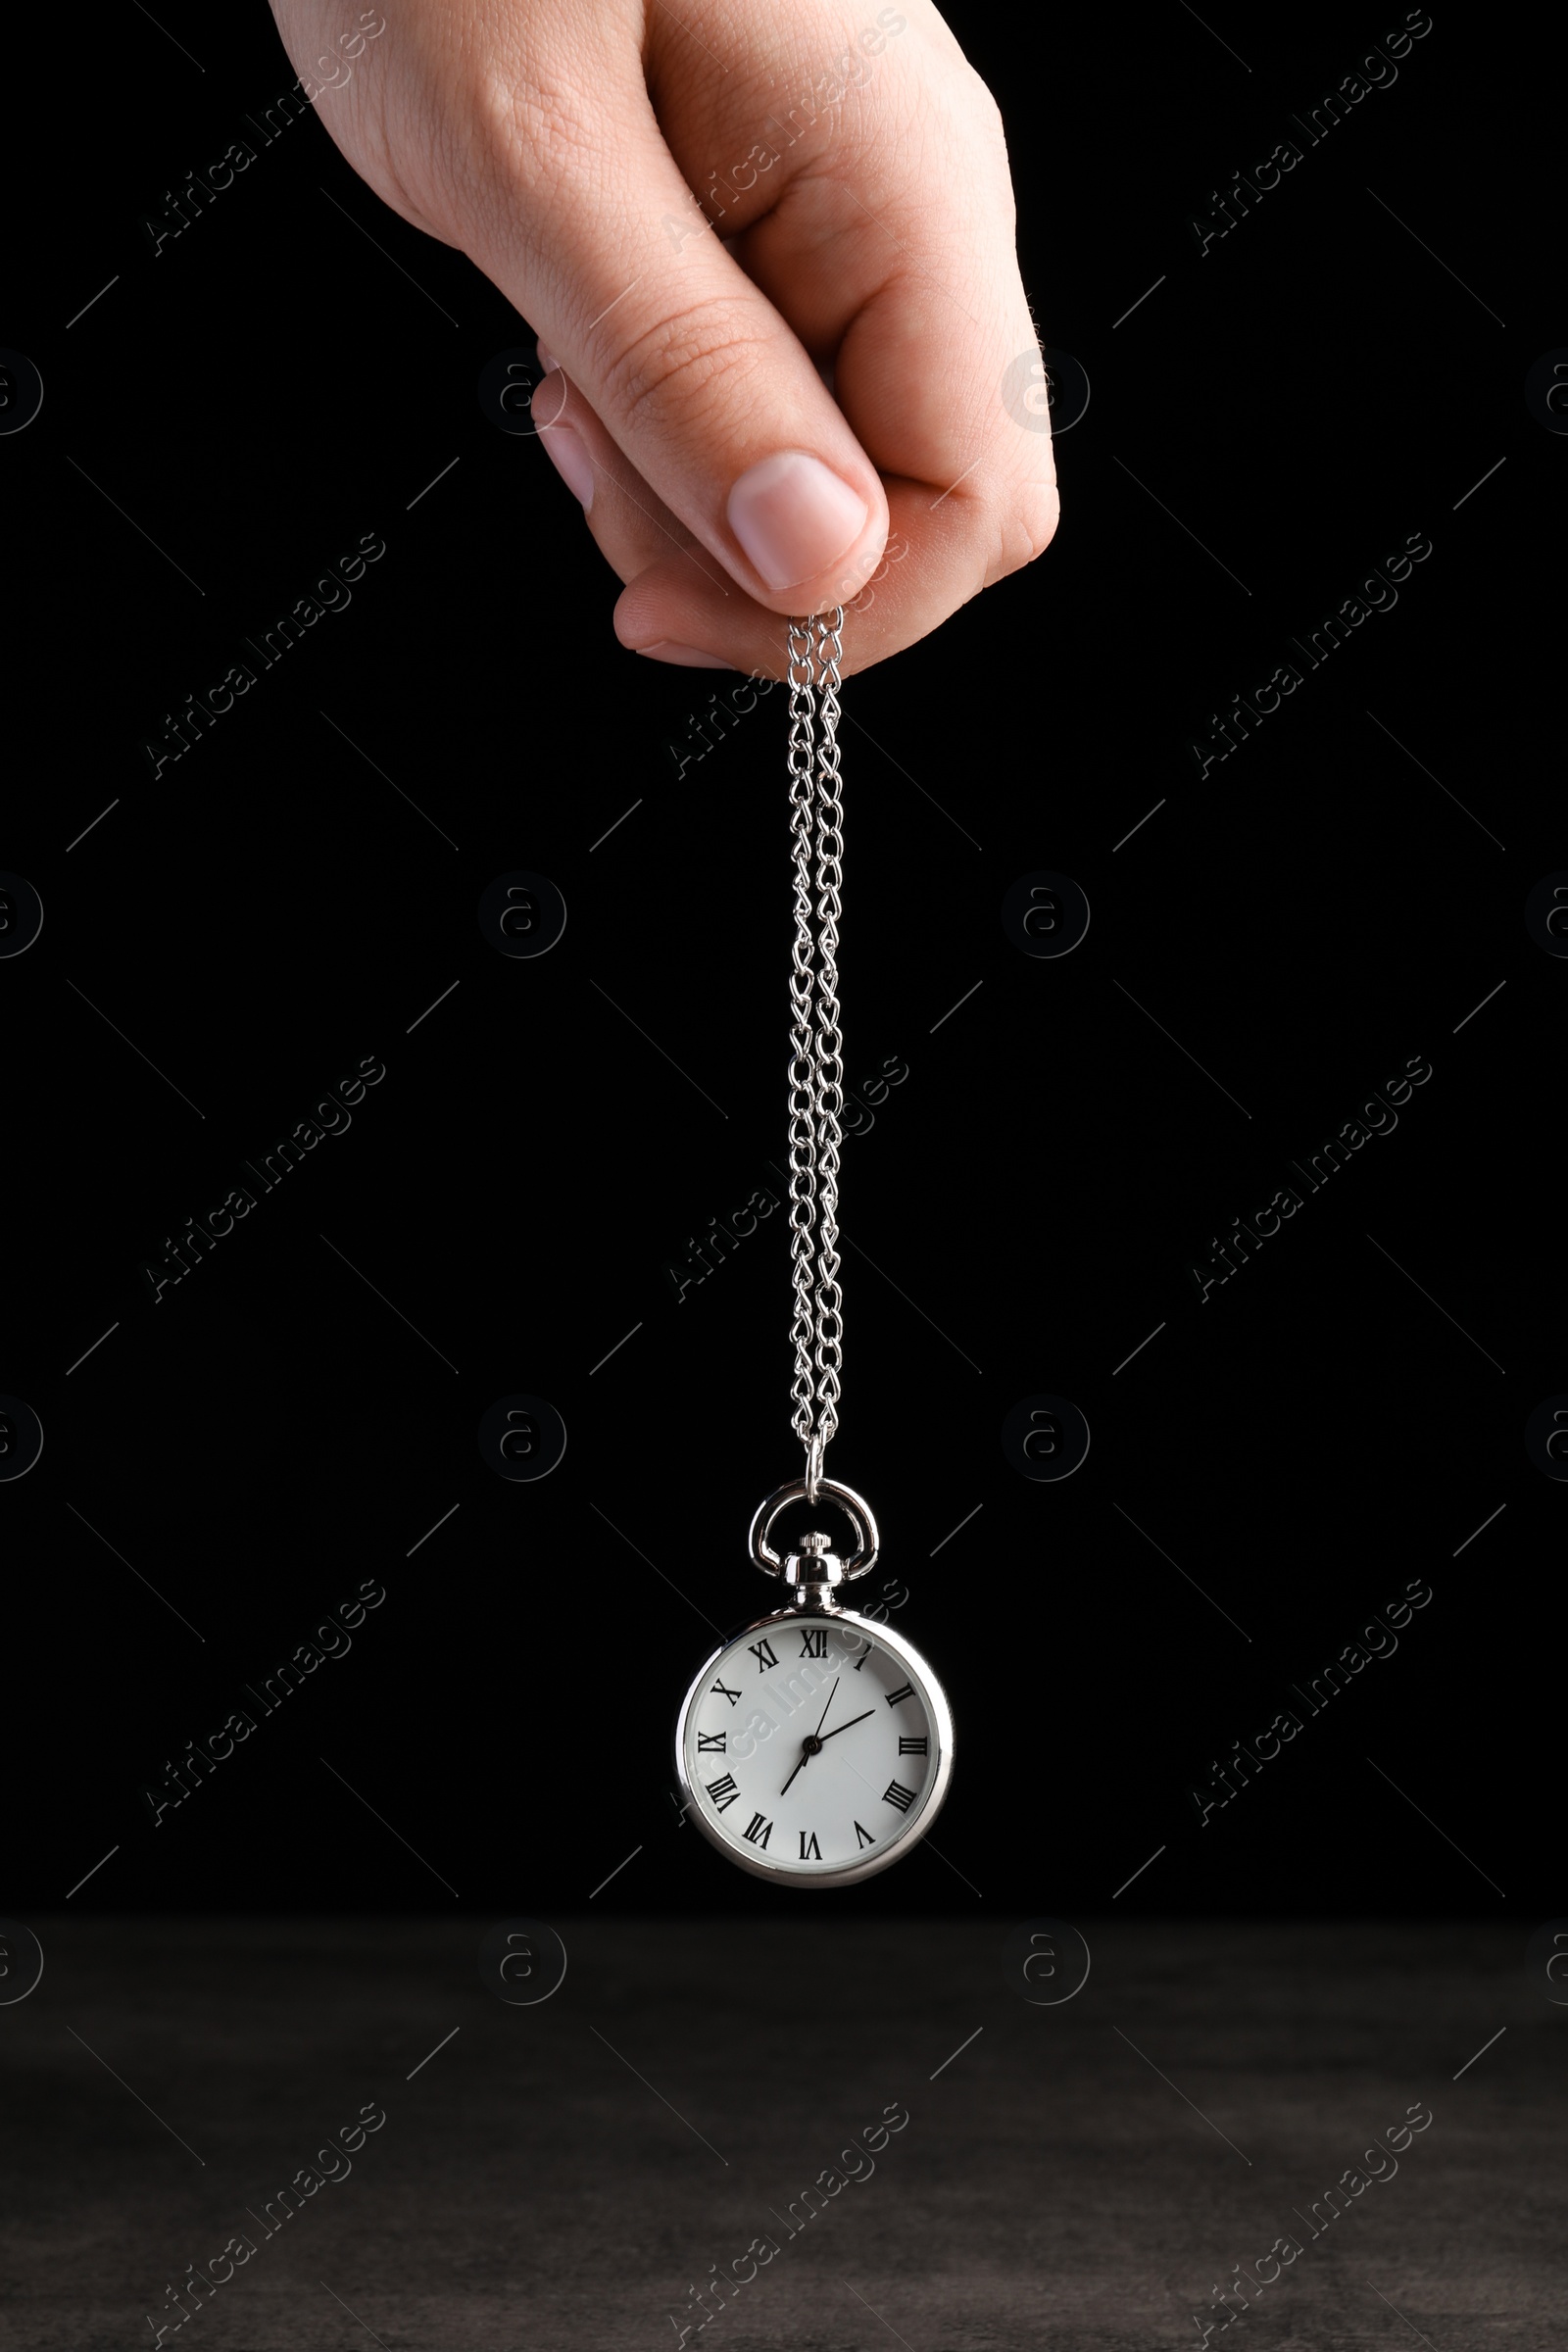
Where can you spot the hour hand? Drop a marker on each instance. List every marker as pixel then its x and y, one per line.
pixel 784 1792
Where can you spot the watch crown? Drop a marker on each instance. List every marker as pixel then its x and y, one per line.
pixel 815 1564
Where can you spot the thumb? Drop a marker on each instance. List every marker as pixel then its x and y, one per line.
pixel 694 373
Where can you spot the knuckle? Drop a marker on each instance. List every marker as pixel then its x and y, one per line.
pixel 989 166
pixel 685 365
pixel 970 107
pixel 1025 525
pixel 529 134
pixel 986 113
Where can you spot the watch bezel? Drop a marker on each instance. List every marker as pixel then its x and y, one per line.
pixel 915 1826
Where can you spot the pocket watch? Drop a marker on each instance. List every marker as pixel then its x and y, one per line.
pixel 814 1745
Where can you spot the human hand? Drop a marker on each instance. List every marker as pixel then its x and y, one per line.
pixel 865 243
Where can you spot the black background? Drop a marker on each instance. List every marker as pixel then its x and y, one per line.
pixel 1310 392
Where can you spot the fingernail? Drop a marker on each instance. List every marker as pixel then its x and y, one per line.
pixel 794 516
pixel 547 359
pixel 686 657
pixel 569 453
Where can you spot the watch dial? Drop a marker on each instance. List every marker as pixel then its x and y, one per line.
pixel 810 1745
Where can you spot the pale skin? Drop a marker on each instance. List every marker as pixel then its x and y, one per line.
pixel 865 242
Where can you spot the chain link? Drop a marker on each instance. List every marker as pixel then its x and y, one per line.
pixel 828 1354
pixel 802 1076
pixel 816 1064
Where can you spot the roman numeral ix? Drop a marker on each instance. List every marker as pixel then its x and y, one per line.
pixel 713 1744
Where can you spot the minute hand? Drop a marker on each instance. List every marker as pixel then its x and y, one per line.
pixel 845 1727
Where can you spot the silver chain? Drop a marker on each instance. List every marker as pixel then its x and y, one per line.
pixel 816 1063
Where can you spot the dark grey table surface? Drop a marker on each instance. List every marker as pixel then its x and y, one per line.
pixel 1079 2177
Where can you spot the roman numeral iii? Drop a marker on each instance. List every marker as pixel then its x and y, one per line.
pixel 764 1654
pixel 895 1794
pixel 723 1792
pixel 906 1747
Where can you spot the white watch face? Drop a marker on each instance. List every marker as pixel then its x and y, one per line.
pixel 814 1747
